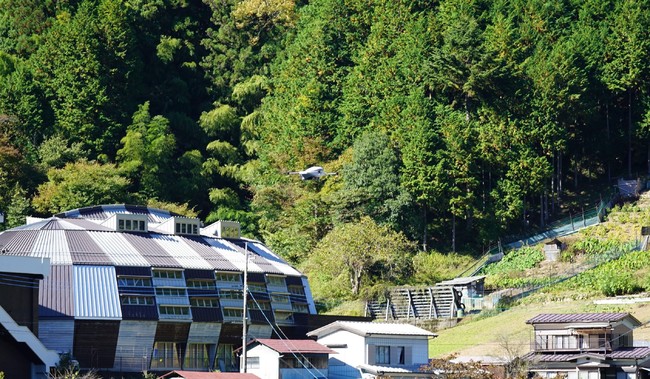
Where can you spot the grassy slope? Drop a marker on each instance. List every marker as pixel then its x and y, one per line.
pixel 487 336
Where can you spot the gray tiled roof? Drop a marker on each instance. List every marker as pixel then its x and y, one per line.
pixel 621 353
pixel 559 318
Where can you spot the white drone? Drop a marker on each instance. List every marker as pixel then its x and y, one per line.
pixel 314 172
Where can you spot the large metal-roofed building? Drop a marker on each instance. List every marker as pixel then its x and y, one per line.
pixel 135 288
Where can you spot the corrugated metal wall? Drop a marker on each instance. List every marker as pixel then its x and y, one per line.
pixel 204 332
pixel 55 294
pixel 95 293
pixel 134 345
pixel 57 335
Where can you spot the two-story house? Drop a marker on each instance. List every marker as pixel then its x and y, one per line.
pixel 372 349
pixel 587 345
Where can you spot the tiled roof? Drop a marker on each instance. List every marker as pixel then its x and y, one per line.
pixel 630 353
pixel 559 318
pixel 621 353
pixel 294 346
pixel 370 328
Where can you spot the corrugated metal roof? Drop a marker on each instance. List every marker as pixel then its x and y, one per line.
pixel 84 250
pixel 233 255
pixel 147 246
pixel 294 346
pixel 55 295
pixel 118 249
pixel 54 245
pixel 21 241
pixel 370 328
pixel 182 252
pixel 276 261
pixel 95 293
pixel 559 318
pixel 211 255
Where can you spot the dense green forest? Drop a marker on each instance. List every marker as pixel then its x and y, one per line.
pixel 451 123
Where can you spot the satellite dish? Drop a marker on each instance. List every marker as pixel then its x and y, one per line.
pixel 314 172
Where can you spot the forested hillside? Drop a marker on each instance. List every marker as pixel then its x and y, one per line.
pixel 450 123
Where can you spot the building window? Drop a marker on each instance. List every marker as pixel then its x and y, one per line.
pixel 167 274
pixel 226 359
pixel 231 294
pixel 297 290
pixel 201 284
pixel 170 292
pixel 280 299
pixel 300 308
pixel 227 277
pixel 400 355
pixel 125 281
pixel 275 280
pixel 197 356
pixel 204 302
pixel 281 316
pixel 257 287
pixel 165 355
pixel 137 300
pixel 174 310
pixel 186 228
pixel 260 305
pixel 252 362
pixel 233 312
pixel 382 355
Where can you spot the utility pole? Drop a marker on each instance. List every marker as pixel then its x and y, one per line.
pixel 244 338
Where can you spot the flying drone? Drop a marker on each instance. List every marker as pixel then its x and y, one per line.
pixel 314 172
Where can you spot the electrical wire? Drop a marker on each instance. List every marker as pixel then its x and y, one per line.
pixel 284 340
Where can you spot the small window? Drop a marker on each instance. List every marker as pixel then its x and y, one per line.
pixel 128 225
pixel 178 228
pixel 177 311
pixel 300 308
pixel 195 229
pixel 141 224
pixel 382 355
pixel 296 290
pixel 252 362
pixel 120 224
pixel 227 277
pixel 183 228
pixel 231 294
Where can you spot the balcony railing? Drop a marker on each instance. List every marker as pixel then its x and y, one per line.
pixel 591 344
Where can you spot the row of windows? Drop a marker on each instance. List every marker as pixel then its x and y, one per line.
pixel 135 225
pixel 137 300
pixel 170 291
pixel 201 284
pixel 205 283
pixel 174 310
pixel 186 228
pixel 196 356
pixel 168 274
pixel 204 302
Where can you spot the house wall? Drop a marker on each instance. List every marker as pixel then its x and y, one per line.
pixel 269 367
pixel 343 364
pixel 416 349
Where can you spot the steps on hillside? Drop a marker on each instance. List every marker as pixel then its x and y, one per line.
pixel 406 303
